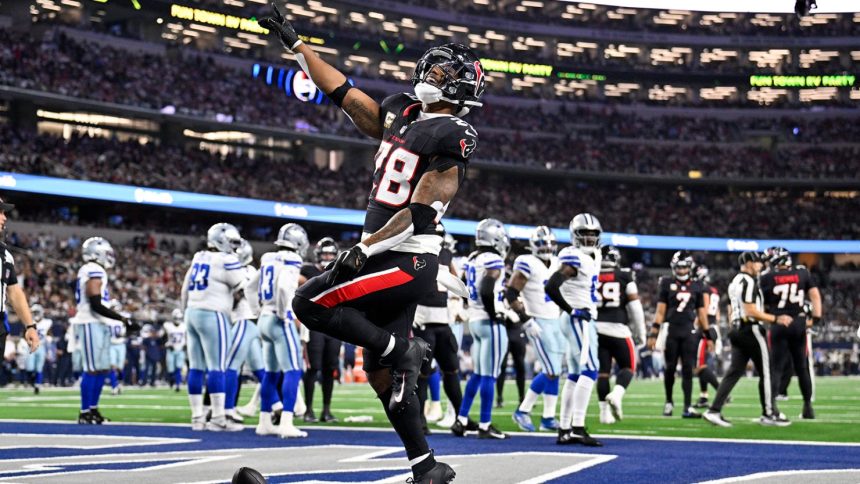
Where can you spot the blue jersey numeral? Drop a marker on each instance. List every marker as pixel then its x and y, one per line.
pixel 199 277
pixel 594 289
pixel 471 275
pixel 267 283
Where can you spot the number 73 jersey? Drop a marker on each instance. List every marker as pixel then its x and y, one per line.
pixel 413 144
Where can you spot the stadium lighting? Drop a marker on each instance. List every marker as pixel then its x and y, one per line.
pixel 764 6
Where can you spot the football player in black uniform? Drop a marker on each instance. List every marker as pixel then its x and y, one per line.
pixel 785 288
pixel 618 309
pixel 680 302
pixel 322 350
pixel 368 295
pixel 703 369
pixel 432 324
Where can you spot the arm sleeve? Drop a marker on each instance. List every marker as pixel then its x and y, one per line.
pixel 98 308
pixel 553 290
pixel 663 295
pixel 637 319
pixel 488 296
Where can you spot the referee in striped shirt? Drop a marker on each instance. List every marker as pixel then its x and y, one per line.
pixel 749 342
pixel 12 293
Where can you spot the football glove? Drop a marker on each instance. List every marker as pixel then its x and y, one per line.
pixel 583 314
pixel 532 328
pixel 278 24
pixel 711 334
pixel 131 326
pixel 346 266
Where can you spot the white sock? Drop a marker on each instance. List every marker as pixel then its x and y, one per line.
pixel 196 402
pixel 255 398
pixel 566 404
pixel 581 396
pixel 265 418
pixel 619 390
pixel 389 348
pixel 217 400
pixel 549 404
pixel 463 420
pixel 484 425
pixel 604 407
pixel 286 419
pixel 528 401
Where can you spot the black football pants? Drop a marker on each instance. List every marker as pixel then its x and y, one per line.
pixel 789 343
pixel 749 342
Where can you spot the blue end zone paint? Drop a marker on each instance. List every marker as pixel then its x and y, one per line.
pixel 357 476
pixel 639 460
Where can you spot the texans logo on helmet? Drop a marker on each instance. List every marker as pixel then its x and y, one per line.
pixel 467 146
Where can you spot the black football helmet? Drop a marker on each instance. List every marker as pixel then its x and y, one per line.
pixel 777 256
pixel 326 250
pixel 702 273
pixel 682 260
pixel 464 80
pixel 611 257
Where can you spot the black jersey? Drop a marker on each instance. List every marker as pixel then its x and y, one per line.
pixel 310 271
pixel 411 147
pixel 682 300
pixel 612 289
pixel 438 297
pixel 713 304
pixel 785 291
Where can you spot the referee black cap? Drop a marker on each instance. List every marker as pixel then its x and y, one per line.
pixel 750 256
pixel 6 207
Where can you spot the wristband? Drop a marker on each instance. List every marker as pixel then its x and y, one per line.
pixel 816 320
pixel 29 326
pixel 655 327
pixel 711 334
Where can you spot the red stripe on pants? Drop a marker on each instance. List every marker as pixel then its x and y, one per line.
pixel 632 355
pixel 357 289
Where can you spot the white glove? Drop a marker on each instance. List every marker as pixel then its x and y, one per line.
pixel 417 325
pixel 511 315
pixel 532 328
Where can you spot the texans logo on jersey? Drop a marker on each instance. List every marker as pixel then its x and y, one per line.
pixel 467 146
pixel 418 264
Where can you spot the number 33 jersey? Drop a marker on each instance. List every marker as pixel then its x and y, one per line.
pixel 414 143
pixel 211 281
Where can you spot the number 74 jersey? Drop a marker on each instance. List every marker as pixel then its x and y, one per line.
pixel 414 143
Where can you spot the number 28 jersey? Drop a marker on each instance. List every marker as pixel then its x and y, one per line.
pixel 414 143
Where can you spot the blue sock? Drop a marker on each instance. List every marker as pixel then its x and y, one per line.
pixel 39 377
pixel 469 395
pixel 573 377
pixel 259 374
pixel 231 386
pixel 195 382
pixel 290 389
pixel 97 385
pixel 539 383
pixel 215 381
pixel 113 380
pixel 86 391
pixel 488 390
pixel 177 377
pixel 551 386
pixel 269 391
pixel 433 385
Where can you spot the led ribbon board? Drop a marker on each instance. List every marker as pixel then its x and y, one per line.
pixel 314 213
pixel 841 80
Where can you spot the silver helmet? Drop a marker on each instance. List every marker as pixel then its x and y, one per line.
pixel 177 315
pixel 491 233
pixel 224 237
pixel 245 252
pixel 293 236
pixel 702 273
pixel 543 243
pixel 448 241
pixel 38 312
pixel 611 257
pixel 585 231
pixel 98 250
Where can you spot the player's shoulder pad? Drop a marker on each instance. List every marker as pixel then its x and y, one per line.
pixel 523 264
pixel 397 102
pixel 292 259
pixel 571 256
pixel 457 138
pixel 91 269
pixel 628 274
pixel 489 260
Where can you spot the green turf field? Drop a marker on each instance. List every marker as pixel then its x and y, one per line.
pixel 837 407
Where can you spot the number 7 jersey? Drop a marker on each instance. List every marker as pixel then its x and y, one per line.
pixel 414 143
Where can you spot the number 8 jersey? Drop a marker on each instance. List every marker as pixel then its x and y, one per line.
pixel 414 143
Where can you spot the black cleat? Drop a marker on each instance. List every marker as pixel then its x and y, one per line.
pixel 460 430
pixel 440 473
pixel 702 403
pixel 564 437
pixel 84 418
pixel 309 417
pixel 405 374
pixel 491 433
pixel 97 417
pixel 276 418
pixel 808 412
pixel 327 417
pixel 36 390
pixel 581 435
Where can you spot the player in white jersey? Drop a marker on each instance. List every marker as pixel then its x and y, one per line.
pixel 526 296
pixel 92 295
pixel 35 364
pixel 574 288
pixel 116 353
pixel 485 272
pixel 245 344
pixel 282 349
pixel 207 297
pixel 176 332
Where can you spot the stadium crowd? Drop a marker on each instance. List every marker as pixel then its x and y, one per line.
pixel 653 209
